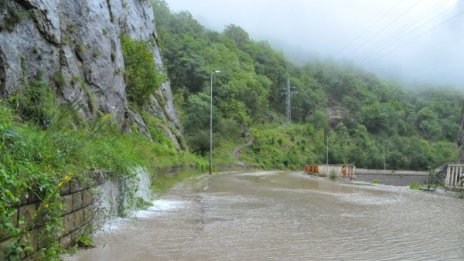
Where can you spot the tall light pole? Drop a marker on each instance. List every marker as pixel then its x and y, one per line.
pixel 288 101
pixel 327 155
pixel 211 125
pixel 384 155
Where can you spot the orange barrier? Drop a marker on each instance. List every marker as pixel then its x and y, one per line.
pixel 343 171
pixel 311 169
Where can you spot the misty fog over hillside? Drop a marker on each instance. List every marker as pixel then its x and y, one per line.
pixel 415 41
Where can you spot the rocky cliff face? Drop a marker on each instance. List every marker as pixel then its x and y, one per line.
pixel 76 45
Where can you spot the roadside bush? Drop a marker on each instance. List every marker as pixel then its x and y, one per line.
pixel 142 77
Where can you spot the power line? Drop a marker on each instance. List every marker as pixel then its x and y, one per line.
pixel 431 29
pixel 389 50
pixel 396 19
pixel 361 35
pixel 412 22
pixel 380 46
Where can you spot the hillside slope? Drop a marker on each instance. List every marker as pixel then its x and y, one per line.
pixel 364 117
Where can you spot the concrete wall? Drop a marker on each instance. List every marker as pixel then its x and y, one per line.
pixel 390 177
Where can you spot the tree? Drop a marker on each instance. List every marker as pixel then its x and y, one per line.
pixel 238 35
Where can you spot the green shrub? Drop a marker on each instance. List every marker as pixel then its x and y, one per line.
pixel 415 186
pixel 460 194
pixel 141 74
pixel 36 102
pixel 289 147
pixel 156 127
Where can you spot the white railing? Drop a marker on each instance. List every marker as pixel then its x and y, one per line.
pixel 453 172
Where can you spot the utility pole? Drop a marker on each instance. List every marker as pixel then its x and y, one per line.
pixel 461 137
pixel 211 126
pixel 327 155
pixel 289 103
pixel 384 156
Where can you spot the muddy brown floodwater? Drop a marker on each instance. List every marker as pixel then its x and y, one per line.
pixel 288 216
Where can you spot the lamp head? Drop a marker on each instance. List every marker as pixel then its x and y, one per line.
pixel 217 71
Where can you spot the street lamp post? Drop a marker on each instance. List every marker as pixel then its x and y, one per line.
pixel 211 126
pixel 384 155
pixel 327 155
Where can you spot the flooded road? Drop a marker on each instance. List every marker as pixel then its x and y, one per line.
pixel 288 216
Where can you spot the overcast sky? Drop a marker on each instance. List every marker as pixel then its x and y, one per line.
pixel 419 41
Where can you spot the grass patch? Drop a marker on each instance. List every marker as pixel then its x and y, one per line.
pixel 162 183
pixel 460 194
pixel 222 155
pixel 85 241
pixel 415 186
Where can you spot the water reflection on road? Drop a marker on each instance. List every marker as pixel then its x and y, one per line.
pixel 289 216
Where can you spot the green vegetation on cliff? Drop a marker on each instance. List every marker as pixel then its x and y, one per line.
pixel 370 117
pixel 141 74
pixel 44 145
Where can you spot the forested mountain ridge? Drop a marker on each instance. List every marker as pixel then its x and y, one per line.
pixel 370 118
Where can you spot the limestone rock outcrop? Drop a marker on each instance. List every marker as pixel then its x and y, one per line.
pixel 76 46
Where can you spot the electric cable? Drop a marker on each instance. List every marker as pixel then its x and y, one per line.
pixel 415 37
pixel 395 20
pixel 362 35
pixel 381 46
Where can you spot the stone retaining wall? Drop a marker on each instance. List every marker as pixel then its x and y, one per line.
pixel 81 208
pixel 78 211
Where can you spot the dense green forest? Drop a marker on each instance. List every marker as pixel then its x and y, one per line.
pixel 364 117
